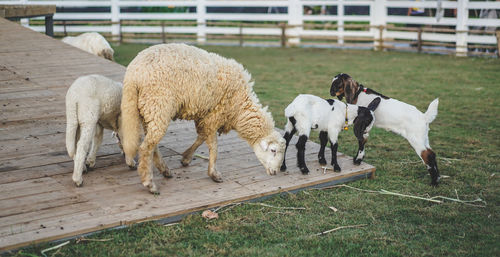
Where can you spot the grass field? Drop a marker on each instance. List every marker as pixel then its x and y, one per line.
pixel 464 136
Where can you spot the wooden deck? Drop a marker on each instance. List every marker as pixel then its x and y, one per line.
pixel 38 201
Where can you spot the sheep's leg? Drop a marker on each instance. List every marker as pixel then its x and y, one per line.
pixel 212 150
pixel 154 131
pixel 289 132
pixel 301 147
pixel 428 157
pixel 96 142
pixel 323 139
pixel 187 156
pixel 334 147
pixel 87 131
pixel 160 163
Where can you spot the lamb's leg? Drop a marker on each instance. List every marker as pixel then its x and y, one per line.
pixel 160 163
pixel 154 131
pixel 87 131
pixel 212 149
pixel 323 139
pixel 301 147
pixel 187 156
pixel 289 132
pixel 96 142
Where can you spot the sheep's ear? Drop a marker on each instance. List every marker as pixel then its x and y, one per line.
pixel 374 104
pixel 264 145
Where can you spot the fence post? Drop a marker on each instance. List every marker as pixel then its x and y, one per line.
pixel 115 20
pixel 295 20
pixel 419 40
pixel 163 32
pixel 340 22
pixel 462 17
pixel 283 34
pixel 241 35
pixel 498 43
pixel 378 15
pixel 201 10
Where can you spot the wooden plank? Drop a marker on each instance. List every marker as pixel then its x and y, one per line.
pixel 21 11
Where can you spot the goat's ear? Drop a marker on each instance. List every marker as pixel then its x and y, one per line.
pixel 349 91
pixel 374 104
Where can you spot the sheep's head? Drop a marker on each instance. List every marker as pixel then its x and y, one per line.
pixel 344 85
pixel 270 152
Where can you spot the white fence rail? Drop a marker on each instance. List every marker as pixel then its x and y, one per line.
pixel 379 14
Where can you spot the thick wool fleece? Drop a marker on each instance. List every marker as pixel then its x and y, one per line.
pixel 93 43
pixel 177 81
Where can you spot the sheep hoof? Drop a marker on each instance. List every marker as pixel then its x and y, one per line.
pixel 153 189
pixel 185 162
pixel 79 183
pixel 336 168
pixel 304 170
pixel 216 176
pixel 167 173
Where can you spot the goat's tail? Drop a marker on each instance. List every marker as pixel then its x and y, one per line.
pixel 131 121
pixel 71 127
pixel 432 111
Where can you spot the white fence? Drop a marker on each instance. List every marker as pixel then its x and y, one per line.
pixel 460 29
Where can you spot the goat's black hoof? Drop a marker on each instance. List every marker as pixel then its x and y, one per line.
pixel 283 167
pixel 336 168
pixel 304 170
pixel 322 161
pixel 357 161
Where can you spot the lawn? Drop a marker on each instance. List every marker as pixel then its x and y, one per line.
pixel 464 137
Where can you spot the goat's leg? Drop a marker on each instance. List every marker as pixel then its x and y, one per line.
pixel 427 156
pixel 96 142
pixel 334 147
pixel 87 131
pixel 187 156
pixel 160 163
pixel 361 151
pixel 301 147
pixel 323 139
pixel 212 151
pixel 289 132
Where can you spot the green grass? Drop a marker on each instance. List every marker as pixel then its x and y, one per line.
pixel 464 136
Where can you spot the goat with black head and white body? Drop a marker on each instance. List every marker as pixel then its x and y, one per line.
pixel 396 116
pixel 329 117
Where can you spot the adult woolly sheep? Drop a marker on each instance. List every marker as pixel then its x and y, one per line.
pixel 396 116
pixel 92 105
pixel 310 112
pixel 176 81
pixel 93 43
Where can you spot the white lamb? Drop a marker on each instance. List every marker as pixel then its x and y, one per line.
pixel 92 104
pixel 93 43
pixel 329 116
pixel 396 116
pixel 176 81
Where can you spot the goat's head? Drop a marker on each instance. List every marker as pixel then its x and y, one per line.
pixel 344 85
pixel 270 152
pixel 363 123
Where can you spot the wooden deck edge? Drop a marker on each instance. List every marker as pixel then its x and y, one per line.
pixel 177 216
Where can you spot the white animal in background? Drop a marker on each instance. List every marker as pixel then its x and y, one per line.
pixel 93 43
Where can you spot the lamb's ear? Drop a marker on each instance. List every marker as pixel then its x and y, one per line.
pixel 374 104
pixel 264 145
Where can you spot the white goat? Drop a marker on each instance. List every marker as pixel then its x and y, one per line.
pixel 308 112
pixel 396 116
pixel 92 104
pixel 93 43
